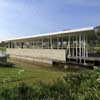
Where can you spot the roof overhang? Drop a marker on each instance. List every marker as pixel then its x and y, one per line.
pixel 73 31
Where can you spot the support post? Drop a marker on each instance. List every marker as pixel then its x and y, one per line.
pixel 73 46
pixel 51 43
pixel 42 43
pixel 33 44
pixel 10 44
pixel 62 43
pixel 69 47
pixel 76 47
pixel 80 43
pixel 57 43
pixel 84 50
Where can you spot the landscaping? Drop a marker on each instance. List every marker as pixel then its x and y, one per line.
pixel 14 75
pixel 46 83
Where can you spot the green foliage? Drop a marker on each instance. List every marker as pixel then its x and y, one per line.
pixel 97 49
pixel 14 75
pixel 3 48
pixel 75 86
pixel 84 85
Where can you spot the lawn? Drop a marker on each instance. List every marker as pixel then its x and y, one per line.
pixel 20 83
pixel 30 75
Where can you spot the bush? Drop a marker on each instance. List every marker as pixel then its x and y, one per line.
pixel 75 86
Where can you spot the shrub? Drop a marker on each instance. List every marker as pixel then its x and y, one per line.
pixel 75 86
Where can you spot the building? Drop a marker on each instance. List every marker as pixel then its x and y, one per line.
pixel 76 45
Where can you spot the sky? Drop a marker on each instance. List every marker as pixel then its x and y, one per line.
pixel 28 17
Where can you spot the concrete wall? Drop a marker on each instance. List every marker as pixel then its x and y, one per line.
pixel 38 55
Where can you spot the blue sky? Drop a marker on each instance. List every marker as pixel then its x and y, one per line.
pixel 28 17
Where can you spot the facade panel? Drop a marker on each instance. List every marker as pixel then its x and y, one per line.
pixel 38 55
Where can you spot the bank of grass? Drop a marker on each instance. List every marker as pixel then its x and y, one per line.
pixel 84 85
pixel 46 83
pixel 30 73
pixel 14 75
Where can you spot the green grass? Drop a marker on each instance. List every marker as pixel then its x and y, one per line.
pixel 9 76
pixel 22 83
pixel 29 73
pixel 84 85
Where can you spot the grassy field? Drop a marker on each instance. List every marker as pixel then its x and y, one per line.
pixel 22 82
pixel 29 74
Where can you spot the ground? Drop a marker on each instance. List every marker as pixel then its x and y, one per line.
pixel 28 73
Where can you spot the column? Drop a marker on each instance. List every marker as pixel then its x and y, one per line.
pixel 69 47
pixel 80 42
pixel 57 43
pixel 42 43
pixel 21 45
pixel 51 42
pixel 73 46
pixel 76 47
pixel 62 42
pixel 10 44
pixel 84 50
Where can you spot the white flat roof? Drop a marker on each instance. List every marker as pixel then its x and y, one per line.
pixel 53 33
